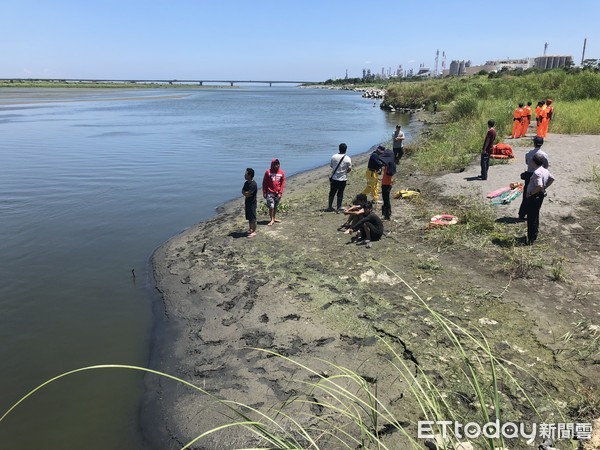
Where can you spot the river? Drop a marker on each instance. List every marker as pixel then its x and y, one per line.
pixel 91 182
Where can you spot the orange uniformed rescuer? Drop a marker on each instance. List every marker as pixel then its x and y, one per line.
pixel 517 121
pixel 540 114
pixel 526 119
pixel 549 113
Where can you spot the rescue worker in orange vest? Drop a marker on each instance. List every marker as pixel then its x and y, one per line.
pixel 517 121
pixel 540 114
pixel 549 112
pixel 526 119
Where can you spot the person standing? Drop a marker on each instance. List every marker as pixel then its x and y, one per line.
pixel 525 176
pixel 389 169
pixel 272 187
pixel 372 174
pixel 526 119
pixel 540 115
pixel 398 143
pixel 548 117
pixel 435 105
pixel 540 180
pixel 517 121
pixel 341 165
pixel 249 192
pixel 487 149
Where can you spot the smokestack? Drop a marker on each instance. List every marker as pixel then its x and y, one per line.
pixel 545 48
pixel 583 53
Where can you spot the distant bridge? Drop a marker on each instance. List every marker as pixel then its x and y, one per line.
pixel 199 82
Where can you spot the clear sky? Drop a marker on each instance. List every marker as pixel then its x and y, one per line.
pixel 301 40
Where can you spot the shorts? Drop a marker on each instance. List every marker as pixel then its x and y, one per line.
pixel 272 200
pixel 250 210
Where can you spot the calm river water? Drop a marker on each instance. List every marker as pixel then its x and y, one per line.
pixel 91 182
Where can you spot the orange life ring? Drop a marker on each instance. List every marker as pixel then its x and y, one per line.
pixel 497 156
pixel 444 219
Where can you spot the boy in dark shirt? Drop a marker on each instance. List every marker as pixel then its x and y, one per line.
pixel 370 225
pixel 249 192
pixel 487 149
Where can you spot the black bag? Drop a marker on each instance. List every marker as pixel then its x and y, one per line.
pixel 526 175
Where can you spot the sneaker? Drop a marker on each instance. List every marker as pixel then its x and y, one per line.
pixel 368 244
pixel 329 210
pixel 364 242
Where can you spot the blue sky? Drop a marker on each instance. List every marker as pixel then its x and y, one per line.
pixel 301 40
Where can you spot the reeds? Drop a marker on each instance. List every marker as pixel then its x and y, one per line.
pixel 338 408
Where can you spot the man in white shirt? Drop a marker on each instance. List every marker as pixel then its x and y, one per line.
pixel 398 143
pixel 525 176
pixel 540 180
pixel 341 164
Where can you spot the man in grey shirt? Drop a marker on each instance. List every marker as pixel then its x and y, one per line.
pixel 525 176
pixel 341 164
pixel 398 143
pixel 536 191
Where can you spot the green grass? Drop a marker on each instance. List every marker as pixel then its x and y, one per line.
pixel 577 117
pixel 282 208
pixel 468 103
pixel 519 262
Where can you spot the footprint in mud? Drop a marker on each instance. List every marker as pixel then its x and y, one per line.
pixel 258 339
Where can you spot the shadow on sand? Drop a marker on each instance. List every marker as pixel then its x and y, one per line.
pixel 238 234
pixel 509 220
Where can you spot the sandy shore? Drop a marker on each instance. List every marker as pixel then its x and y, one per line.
pixel 301 289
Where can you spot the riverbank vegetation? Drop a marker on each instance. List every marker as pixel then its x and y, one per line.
pixel 468 103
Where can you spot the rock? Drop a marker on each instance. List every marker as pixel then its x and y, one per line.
pixel 486 321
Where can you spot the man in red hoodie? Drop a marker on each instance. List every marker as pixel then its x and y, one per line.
pixel 272 187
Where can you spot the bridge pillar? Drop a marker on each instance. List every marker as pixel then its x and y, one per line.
pixel 231 83
pixel 270 84
pixel 200 83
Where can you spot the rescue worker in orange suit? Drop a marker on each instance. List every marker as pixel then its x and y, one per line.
pixel 526 119
pixel 517 121
pixel 549 112
pixel 540 114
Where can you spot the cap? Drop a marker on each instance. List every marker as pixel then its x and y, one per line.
pixel 538 140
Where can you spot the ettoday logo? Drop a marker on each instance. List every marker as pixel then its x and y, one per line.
pixel 508 430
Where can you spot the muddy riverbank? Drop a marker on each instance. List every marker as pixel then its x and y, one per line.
pixel 303 290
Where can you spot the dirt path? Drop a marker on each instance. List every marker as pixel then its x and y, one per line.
pixel 302 290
